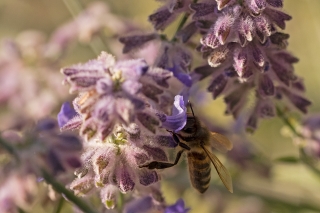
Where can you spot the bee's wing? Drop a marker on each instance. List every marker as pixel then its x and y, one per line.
pixel 220 142
pixel 222 171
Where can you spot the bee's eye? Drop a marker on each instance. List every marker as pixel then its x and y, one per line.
pixel 188 130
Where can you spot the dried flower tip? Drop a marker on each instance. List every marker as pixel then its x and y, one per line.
pixel 187 32
pixel 136 41
pixel 266 87
pixel 161 18
pixel 275 3
pixel 202 9
pixel 217 85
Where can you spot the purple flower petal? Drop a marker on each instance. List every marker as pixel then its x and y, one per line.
pixel 181 75
pixel 66 113
pixel 167 141
pixel 156 153
pixel 124 178
pixel 140 205
pixel 178 207
pixel 178 119
pixel 147 177
pixel 46 125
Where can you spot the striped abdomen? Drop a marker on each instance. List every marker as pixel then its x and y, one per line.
pixel 199 169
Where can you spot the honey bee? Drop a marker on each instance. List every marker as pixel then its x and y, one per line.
pixel 197 141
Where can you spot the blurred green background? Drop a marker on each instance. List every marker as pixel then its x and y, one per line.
pixel 291 184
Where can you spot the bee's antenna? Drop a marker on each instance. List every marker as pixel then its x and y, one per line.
pixel 191 108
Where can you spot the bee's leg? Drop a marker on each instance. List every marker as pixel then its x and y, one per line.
pixel 163 165
pixel 185 146
pixel 177 140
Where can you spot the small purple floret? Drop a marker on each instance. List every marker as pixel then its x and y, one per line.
pixel 181 75
pixel 178 207
pixel 178 119
pixel 66 113
pixel 140 205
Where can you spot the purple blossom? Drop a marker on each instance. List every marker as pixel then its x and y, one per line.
pixel 66 113
pixel 181 75
pixel 246 53
pixel 178 119
pixel 113 93
pixel 135 42
pixel 62 150
pixel 177 59
pixel 140 205
pixel 178 207
pixel 46 149
pixel 113 165
pixel 166 14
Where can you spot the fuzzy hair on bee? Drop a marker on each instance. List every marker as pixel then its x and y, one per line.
pixel 196 140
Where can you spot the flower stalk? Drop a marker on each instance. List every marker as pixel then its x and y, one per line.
pixel 59 205
pixel 182 23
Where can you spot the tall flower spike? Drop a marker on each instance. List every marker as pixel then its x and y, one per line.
pixel 136 41
pixel 113 165
pixel 113 93
pixel 242 46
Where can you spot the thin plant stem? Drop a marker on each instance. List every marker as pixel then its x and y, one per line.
pixel 59 205
pixel 120 202
pixel 182 23
pixel 81 204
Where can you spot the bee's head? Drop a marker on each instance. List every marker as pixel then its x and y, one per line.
pixel 191 126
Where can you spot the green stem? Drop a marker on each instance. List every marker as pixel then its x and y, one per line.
pixel 59 205
pixel 182 23
pixel 120 202
pixel 303 156
pixel 68 194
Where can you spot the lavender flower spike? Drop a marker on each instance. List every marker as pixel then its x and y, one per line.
pixel 113 92
pixel 178 119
